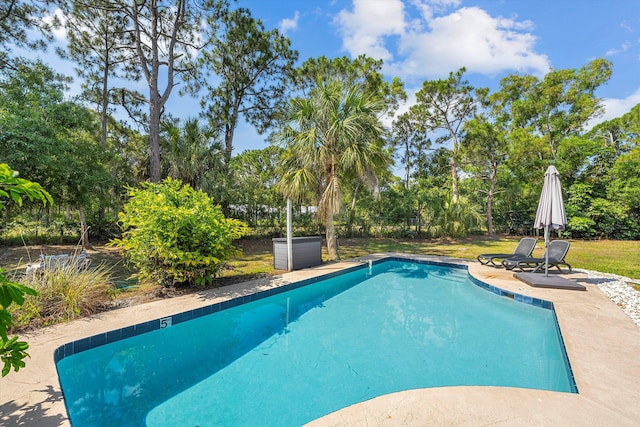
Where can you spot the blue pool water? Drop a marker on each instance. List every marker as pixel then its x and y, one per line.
pixel 289 358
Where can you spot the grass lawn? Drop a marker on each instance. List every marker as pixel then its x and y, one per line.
pixel 606 256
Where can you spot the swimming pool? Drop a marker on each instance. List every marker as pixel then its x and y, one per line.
pixel 287 358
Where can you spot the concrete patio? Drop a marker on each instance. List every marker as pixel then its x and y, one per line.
pixel 602 343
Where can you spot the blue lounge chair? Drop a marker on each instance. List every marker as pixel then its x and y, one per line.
pixel 557 251
pixel 523 250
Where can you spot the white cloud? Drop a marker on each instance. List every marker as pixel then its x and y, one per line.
pixel 626 27
pixel 59 31
pixel 289 23
pixel 430 46
pixel 471 38
pixel 364 29
pixel 625 47
pixel 616 107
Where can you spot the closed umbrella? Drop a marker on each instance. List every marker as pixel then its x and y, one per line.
pixel 550 212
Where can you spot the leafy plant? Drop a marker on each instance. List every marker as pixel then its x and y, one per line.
pixel 12 351
pixel 174 235
pixel 12 354
pixel 13 187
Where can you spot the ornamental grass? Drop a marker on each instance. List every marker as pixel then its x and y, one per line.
pixel 64 294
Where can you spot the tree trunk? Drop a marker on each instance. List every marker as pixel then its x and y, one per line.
pixel 154 140
pixel 454 169
pixel 152 27
pixel 407 170
pixel 155 106
pixel 454 179
pixel 228 144
pixel 332 241
pixel 84 229
pixel 104 110
pixel 492 192
pixel 492 189
pixel 489 214
pixel 419 225
pixel 229 132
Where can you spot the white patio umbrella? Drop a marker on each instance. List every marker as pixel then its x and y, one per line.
pixel 550 212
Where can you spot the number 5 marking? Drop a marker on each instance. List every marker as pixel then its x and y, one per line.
pixel 165 322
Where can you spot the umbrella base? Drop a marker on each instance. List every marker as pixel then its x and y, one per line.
pixel 538 280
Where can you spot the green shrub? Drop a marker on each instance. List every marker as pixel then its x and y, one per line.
pixel 64 294
pixel 580 227
pixel 174 235
pixel 12 351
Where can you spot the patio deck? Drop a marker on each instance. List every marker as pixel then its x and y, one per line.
pixel 601 341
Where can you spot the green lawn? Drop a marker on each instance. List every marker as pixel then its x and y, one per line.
pixel 607 256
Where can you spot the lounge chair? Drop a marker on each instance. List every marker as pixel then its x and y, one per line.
pixel 523 250
pixel 557 250
pixel 56 262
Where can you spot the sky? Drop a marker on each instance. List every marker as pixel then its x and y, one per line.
pixel 427 39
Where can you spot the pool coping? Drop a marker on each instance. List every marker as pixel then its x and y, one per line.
pixel 602 344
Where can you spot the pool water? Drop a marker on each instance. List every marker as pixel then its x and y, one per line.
pixel 293 357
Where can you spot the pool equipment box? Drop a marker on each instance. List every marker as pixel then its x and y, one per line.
pixel 307 252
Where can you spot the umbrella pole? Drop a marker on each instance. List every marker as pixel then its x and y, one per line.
pixel 289 238
pixel 546 250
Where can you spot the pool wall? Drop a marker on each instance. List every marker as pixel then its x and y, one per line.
pixel 84 344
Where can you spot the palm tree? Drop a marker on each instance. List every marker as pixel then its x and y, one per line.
pixel 193 154
pixel 332 136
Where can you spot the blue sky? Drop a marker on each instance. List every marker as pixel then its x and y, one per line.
pixel 426 39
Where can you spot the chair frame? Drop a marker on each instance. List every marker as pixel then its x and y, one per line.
pixel 57 262
pixel 538 264
pixel 525 248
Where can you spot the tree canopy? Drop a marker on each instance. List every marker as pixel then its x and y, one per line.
pixel 470 159
pixel 331 136
pixel 254 69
